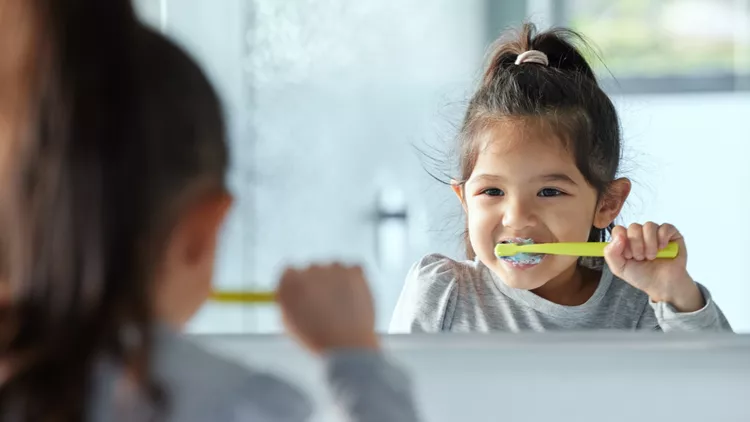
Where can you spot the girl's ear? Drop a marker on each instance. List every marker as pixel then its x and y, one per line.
pixel 611 203
pixel 458 189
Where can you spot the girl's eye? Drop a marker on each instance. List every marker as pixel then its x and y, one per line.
pixel 548 192
pixel 493 192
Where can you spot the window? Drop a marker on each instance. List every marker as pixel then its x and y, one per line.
pixel 665 45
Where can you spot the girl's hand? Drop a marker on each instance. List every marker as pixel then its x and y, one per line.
pixel 328 307
pixel 631 256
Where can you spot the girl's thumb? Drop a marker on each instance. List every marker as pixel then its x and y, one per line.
pixel 613 254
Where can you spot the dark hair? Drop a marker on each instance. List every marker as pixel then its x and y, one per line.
pixel 124 127
pixel 565 94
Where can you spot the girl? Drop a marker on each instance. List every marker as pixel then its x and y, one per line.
pixel 539 154
pixel 112 193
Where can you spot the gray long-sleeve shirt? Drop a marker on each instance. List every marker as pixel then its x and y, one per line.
pixel 441 294
pixel 202 387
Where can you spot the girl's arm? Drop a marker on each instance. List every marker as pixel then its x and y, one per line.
pixel 664 317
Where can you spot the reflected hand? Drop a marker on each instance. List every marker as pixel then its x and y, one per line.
pixel 631 256
pixel 328 307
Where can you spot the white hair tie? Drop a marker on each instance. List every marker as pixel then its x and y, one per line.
pixel 533 56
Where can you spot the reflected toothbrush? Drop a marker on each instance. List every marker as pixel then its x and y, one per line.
pixel 242 296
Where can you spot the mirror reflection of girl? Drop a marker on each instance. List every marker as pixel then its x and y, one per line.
pixel 540 149
pixel 111 203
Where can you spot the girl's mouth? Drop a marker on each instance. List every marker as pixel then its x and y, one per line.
pixel 522 260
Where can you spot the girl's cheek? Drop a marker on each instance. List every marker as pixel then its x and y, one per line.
pixel 482 217
pixel 569 225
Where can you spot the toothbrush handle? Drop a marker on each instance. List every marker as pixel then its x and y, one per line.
pixel 243 296
pixel 670 252
pixel 594 249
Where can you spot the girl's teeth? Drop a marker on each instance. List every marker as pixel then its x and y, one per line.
pixel 524 259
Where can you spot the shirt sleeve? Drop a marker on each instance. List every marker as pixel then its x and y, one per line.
pixel 428 298
pixel 266 398
pixel 708 318
pixel 366 387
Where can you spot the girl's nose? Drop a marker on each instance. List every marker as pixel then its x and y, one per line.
pixel 518 214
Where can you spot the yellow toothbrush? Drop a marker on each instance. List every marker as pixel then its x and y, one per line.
pixel 570 249
pixel 259 297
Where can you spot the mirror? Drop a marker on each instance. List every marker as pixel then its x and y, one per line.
pixel 339 113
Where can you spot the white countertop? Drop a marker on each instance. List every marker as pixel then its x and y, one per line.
pixel 604 376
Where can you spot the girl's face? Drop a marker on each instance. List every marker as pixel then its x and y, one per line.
pixel 526 186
